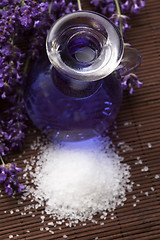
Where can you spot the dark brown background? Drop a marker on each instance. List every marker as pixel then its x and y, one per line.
pixel 142 113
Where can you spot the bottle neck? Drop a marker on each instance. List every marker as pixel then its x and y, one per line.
pixel 74 88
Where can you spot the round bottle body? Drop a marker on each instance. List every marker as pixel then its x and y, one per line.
pixel 70 110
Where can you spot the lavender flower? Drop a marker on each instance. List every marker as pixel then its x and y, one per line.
pixel 10 70
pixel 108 7
pixel 116 10
pixel 132 6
pixel 8 178
pixel 121 21
pixel 13 128
pixel 3 174
pixel 130 81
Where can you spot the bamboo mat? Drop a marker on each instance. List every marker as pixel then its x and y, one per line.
pixel 139 127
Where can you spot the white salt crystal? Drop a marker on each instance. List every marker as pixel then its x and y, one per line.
pixel 105 214
pixel 126 124
pixel 59 222
pixel 11 212
pixel 146 193
pixel 139 161
pixel 157 176
pixel 124 147
pixel 65 236
pixel 10 236
pixel 144 169
pixel 42 219
pixel 51 224
pixel 93 221
pixel 149 145
pixel 120 144
pixel 152 188
pixel 76 180
pixel 134 196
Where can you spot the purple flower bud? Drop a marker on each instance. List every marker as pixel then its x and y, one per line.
pixel 3 174
pixel 1 83
pixel 3 95
pixel 130 81
pixel 8 178
pixel 8 189
pixel 36 23
pixel 131 90
pixel 21 188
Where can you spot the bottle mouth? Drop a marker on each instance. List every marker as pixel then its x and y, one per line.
pixel 85 46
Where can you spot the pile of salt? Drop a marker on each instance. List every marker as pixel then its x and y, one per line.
pixel 77 180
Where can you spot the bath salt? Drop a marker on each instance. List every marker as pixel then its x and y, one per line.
pixel 144 169
pixel 77 180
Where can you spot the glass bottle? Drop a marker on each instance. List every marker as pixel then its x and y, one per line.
pixel 74 91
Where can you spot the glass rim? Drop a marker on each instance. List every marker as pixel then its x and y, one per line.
pixel 99 69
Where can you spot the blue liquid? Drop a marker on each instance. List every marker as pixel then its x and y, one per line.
pixel 70 110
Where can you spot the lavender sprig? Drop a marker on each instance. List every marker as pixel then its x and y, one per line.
pixel 117 11
pixel 108 7
pixel 18 19
pixel 9 178
pixel 130 81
